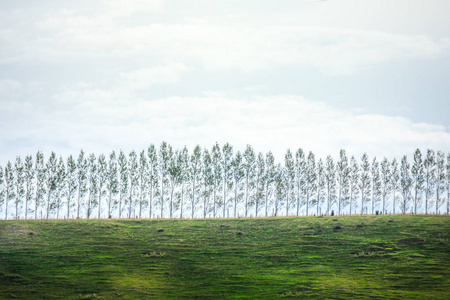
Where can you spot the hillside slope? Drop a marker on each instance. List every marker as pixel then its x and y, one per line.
pixel 314 257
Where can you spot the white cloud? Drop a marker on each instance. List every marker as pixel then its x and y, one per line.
pixel 213 45
pixel 80 120
pixel 144 78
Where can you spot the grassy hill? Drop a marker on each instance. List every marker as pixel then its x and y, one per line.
pixel 314 257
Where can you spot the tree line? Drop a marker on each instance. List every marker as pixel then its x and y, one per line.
pixel 218 182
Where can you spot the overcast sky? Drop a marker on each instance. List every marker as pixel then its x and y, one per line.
pixel 367 76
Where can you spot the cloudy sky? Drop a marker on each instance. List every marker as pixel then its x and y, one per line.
pixel 367 76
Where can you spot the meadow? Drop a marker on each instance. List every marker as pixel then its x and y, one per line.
pixel 343 257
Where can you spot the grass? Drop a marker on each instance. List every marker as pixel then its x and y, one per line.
pixel 354 257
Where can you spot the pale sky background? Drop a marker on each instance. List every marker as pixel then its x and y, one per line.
pixel 367 76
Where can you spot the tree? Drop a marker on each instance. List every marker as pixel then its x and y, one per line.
pixel 123 180
pixel 354 181
pixel 207 176
pixel 2 188
pixel 19 182
pixel 39 169
pixel 9 186
pixel 184 175
pixel 29 182
pixel 51 169
pixel 364 183
pixel 300 176
pixel 289 179
pixel 429 165
pixel 133 180
pixel 249 165
pixel 439 179
pixel 310 179
pixel 269 178
pixel 82 166
pixel 238 175
pixel 153 176
pixel 93 184
pixel 216 157
pixel 165 152
pixel 405 183
pixel 417 179
pixel 227 155
pixel 174 173
pixel 376 183
pixel 102 177
pixel 343 173
pixel 259 182
pixel 330 181
pixel 385 181
pixel 395 182
pixel 195 170
pixel 61 185
pixel 447 182
pixel 279 189
pixel 112 182
pixel 143 175
pixel 320 184
pixel 71 182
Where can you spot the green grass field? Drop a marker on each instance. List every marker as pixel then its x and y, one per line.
pixel 398 257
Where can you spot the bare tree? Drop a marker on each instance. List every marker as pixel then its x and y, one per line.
pixel 249 165
pixel 9 186
pixel 439 179
pixel 320 184
pixel 343 174
pixel 354 182
pixel 39 169
pixel 50 180
pixel 429 165
pixel 395 182
pixel 405 183
pixel 112 182
pixel 376 183
pixel 29 182
pixel 82 166
pixel 102 171
pixel 71 183
pixel 93 184
pixel 153 176
pixel 269 179
pixel 330 181
pixel 300 177
pixel 385 180
pixel 238 175
pixel 19 182
pixel 289 179
pixel 417 179
pixel 195 172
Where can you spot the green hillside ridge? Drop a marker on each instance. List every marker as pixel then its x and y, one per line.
pixel 311 257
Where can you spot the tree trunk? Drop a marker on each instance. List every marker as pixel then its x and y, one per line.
pixel 246 195
pixel 235 197
pixel 48 203
pixel 78 201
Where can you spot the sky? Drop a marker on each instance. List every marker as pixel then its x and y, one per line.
pixel 366 76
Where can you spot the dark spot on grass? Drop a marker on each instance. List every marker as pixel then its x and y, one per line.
pixel 337 228
pixel 160 230
pixel 334 220
pixel 411 241
pixel 390 221
pixel 239 233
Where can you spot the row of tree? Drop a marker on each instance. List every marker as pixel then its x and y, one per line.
pixel 220 183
